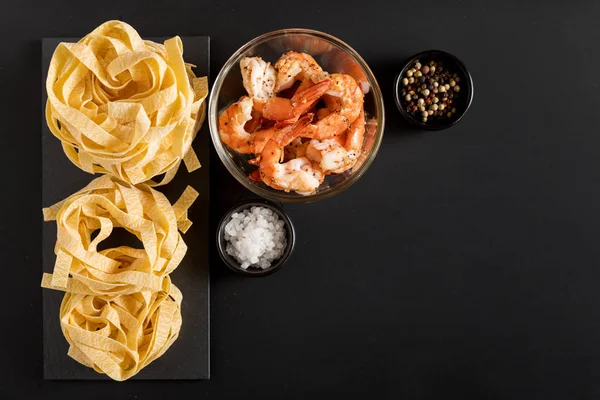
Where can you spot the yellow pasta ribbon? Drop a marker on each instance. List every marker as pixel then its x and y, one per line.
pixel 125 106
pixel 107 203
pixel 120 335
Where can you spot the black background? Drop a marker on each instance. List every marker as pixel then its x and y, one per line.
pixel 464 264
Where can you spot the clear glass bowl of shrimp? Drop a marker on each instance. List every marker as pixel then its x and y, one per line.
pixel 334 57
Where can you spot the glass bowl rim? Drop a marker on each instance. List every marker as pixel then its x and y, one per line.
pixel 283 196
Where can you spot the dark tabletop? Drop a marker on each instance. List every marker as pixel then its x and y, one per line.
pixel 464 264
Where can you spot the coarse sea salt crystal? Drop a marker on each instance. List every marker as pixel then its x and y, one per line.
pixel 255 237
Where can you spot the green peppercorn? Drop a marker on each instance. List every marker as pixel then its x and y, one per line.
pixel 435 99
pixel 408 97
pixel 435 84
pixel 456 88
pixel 449 114
pixel 442 89
pixel 447 86
pixel 424 114
pixel 453 110
pixel 411 79
pixel 452 83
pixel 418 74
pixel 434 107
pixel 404 81
pixel 409 73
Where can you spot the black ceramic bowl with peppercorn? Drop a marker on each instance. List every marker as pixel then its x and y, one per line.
pixel 434 90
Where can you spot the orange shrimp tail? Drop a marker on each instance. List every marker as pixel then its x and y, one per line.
pixel 304 99
pixel 290 133
pixel 278 109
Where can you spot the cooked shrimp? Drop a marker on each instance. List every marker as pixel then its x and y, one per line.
pixel 335 158
pixel 293 66
pixel 231 126
pixel 298 175
pixel 284 135
pixel 345 101
pixel 258 78
pixel 295 149
pixel 322 113
pixel 233 132
pixel 289 110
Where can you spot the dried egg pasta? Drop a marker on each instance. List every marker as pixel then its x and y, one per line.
pixel 120 335
pixel 125 106
pixel 105 204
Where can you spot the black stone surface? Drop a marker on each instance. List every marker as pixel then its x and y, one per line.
pixel 464 264
pixel 188 357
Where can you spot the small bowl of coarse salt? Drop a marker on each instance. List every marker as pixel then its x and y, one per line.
pixel 255 238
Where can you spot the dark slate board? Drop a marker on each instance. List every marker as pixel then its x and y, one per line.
pixel 188 357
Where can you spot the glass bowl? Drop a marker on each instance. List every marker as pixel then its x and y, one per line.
pixel 333 55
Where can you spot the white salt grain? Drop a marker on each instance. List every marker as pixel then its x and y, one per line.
pixel 255 237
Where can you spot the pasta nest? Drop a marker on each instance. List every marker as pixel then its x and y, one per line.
pixel 105 204
pixel 125 106
pixel 120 335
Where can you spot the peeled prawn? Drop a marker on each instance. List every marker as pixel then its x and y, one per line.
pixel 295 149
pixel 298 175
pixel 259 81
pixel 289 110
pixel 232 123
pixel 293 66
pixel 233 132
pixel 344 100
pixel 258 78
pixel 334 157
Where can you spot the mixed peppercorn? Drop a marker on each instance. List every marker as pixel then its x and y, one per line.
pixel 429 91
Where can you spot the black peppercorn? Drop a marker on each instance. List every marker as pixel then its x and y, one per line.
pixel 428 89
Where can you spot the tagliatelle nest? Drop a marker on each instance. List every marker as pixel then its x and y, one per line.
pixel 125 106
pixel 120 335
pixel 104 204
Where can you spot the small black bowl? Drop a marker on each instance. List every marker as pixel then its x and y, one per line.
pixel 232 263
pixel 464 101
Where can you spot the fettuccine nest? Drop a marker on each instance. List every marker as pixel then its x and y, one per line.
pixel 120 335
pixel 125 106
pixel 101 206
